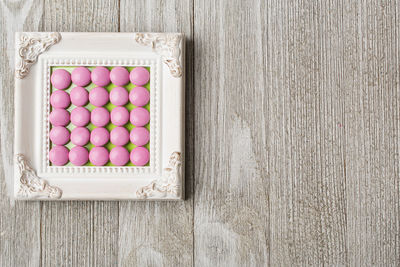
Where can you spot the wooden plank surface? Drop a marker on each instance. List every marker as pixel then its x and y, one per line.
pixel 306 133
pixel 231 203
pixel 372 105
pixel 19 222
pixel 160 234
pixel 292 139
pixel 80 233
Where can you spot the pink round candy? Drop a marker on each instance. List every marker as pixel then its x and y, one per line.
pixel 58 155
pixel 100 76
pixel 139 136
pixel 139 96
pixel 119 116
pixel 78 156
pixel 140 156
pixel 98 156
pixel 60 99
pixel 80 76
pixel 119 96
pixel 139 116
pixel 100 117
pixel 99 136
pixel 98 96
pixel 119 76
pixel 139 76
pixel 59 117
pixel 59 135
pixel 119 156
pixel 80 136
pixel 60 79
pixel 80 116
pixel 79 96
pixel 119 136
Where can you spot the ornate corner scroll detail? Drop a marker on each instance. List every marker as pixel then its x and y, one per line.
pixel 31 185
pixel 167 46
pixel 30 46
pixel 169 185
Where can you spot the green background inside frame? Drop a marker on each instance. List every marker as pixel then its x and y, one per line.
pixel 129 146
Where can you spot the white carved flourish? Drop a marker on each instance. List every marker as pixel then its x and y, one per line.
pixel 169 185
pixel 30 46
pixel 166 45
pixel 31 185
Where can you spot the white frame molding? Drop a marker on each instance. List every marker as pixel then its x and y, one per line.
pixel 36 53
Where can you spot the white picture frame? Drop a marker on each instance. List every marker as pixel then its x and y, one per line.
pixel 36 179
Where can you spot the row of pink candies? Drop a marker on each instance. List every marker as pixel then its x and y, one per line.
pixel 100 116
pixel 98 96
pixel 100 76
pixel 98 156
pixel 80 116
pixel 100 136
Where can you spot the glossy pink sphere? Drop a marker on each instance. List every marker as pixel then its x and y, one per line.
pixel 59 135
pixel 100 76
pixel 99 136
pixel 80 76
pixel 119 156
pixel 119 76
pixel 80 116
pixel 98 96
pixel 59 117
pixel 78 156
pixel 98 156
pixel 119 96
pixel 139 96
pixel 119 136
pixel 79 96
pixel 119 116
pixel 139 76
pixel 140 156
pixel 60 99
pixel 60 79
pixel 80 136
pixel 100 117
pixel 139 136
pixel 58 155
pixel 139 116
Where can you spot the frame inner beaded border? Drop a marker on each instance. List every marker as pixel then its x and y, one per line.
pixel 153 64
pixel 109 106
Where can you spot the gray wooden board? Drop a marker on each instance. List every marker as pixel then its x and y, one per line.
pixel 80 233
pixel 231 203
pixel 19 222
pixel 292 139
pixel 306 133
pixel 160 234
pixel 372 133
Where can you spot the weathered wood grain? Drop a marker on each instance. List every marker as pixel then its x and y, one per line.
pixel 81 16
pixel 19 222
pixel 372 105
pixel 304 69
pixel 80 233
pixel 231 201
pixel 160 234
